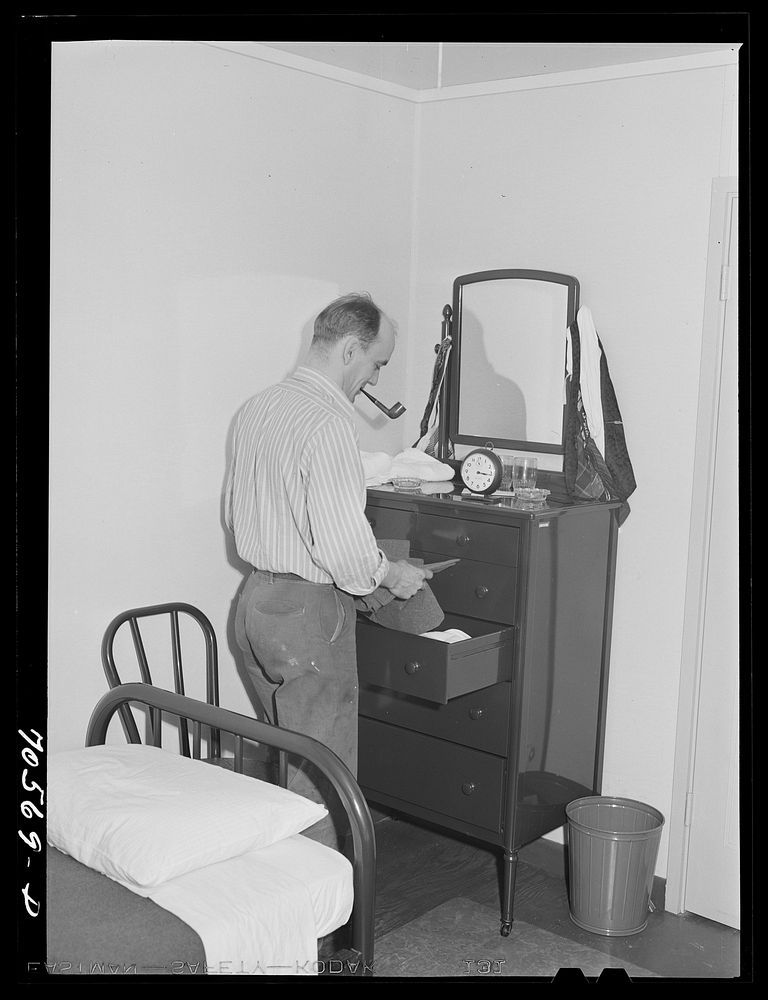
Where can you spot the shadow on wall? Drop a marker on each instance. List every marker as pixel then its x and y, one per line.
pixel 491 404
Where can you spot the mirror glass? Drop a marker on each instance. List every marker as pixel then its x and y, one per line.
pixel 508 378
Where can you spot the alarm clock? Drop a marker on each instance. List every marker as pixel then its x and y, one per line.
pixel 482 471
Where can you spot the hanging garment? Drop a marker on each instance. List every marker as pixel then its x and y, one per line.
pixel 589 376
pixel 591 472
pixel 428 427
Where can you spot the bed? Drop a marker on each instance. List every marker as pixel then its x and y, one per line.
pixel 163 864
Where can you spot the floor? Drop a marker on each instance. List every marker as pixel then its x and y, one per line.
pixel 419 869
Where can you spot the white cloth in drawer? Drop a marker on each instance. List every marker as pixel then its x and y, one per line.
pixel 449 635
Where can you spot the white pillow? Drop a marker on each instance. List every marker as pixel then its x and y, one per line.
pixel 145 815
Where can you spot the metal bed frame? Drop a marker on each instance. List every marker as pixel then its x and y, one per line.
pixel 173 610
pixel 244 728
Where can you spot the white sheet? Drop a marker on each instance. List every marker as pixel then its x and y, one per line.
pixel 261 913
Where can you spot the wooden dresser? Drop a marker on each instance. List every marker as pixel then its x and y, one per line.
pixel 493 735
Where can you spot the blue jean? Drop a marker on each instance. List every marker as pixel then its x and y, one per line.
pixel 298 644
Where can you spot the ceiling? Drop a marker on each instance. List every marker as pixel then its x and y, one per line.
pixel 429 65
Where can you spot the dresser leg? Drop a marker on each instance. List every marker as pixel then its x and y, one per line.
pixel 508 891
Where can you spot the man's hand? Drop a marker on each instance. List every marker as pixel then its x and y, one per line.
pixel 404 580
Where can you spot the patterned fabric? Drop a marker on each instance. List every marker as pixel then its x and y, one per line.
pixel 616 451
pixel 295 495
pixel 588 474
pixel 429 428
pixel 592 479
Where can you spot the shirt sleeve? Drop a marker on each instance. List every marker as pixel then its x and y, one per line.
pixel 343 542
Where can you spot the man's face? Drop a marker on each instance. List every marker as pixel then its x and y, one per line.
pixel 363 365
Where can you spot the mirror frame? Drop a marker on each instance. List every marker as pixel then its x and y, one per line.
pixel 449 435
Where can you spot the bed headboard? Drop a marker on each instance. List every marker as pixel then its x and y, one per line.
pixel 244 728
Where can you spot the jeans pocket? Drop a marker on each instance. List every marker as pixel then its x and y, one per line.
pixel 331 617
pixel 273 608
pixel 271 626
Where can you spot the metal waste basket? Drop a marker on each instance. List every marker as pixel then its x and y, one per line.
pixel 612 848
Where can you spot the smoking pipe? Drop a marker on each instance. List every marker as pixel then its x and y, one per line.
pixel 393 412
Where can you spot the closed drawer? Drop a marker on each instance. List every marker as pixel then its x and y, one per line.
pixel 449 779
pixel 388 522
pixel 476 589
pixel 479 720
pixel 478 540
pixel 430 669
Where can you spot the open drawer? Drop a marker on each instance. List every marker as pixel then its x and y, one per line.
pixel 429 668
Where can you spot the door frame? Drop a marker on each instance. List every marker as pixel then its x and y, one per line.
pixel 724 191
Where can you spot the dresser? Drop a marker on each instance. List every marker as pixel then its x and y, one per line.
pixel 491 736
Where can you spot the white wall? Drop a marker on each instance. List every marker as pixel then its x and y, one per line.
pixel 608 181
pixel 205 206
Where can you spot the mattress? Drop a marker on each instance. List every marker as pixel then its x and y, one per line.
pixel 260 913
pixel 96 927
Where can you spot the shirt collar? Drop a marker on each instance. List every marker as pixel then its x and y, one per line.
pixel 324 385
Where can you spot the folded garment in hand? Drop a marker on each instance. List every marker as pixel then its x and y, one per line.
pixel 417 614
pixel 409 464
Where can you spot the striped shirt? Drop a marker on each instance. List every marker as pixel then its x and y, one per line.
pixel 295 495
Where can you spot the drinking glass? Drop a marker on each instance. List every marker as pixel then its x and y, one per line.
pixel 506 476
pixel 524 473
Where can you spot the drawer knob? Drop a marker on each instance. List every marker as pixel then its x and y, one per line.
pixel 468 787
pixel 372 522
pixel 413 667
pixel 463 540
pixel 481 591
pixel 476 713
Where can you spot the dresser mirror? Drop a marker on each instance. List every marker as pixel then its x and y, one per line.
pixel 506 377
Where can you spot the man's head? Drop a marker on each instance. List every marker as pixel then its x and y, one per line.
pixel 353 340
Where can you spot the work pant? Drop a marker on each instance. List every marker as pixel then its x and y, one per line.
pixel 298 644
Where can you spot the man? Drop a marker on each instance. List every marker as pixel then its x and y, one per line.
pixel 295 503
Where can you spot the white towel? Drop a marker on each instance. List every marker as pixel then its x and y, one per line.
pixel 377 466
pixel 441 487
pixel 590 376
pixel 412 463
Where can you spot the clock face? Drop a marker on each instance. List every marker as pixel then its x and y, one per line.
pixel 481 471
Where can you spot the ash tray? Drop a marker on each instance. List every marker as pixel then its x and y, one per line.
pixel 530 499
pixel 406 485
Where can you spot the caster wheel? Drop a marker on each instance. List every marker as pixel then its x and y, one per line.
pixel 505 929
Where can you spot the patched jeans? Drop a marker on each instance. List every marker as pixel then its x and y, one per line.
pixel 298 643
